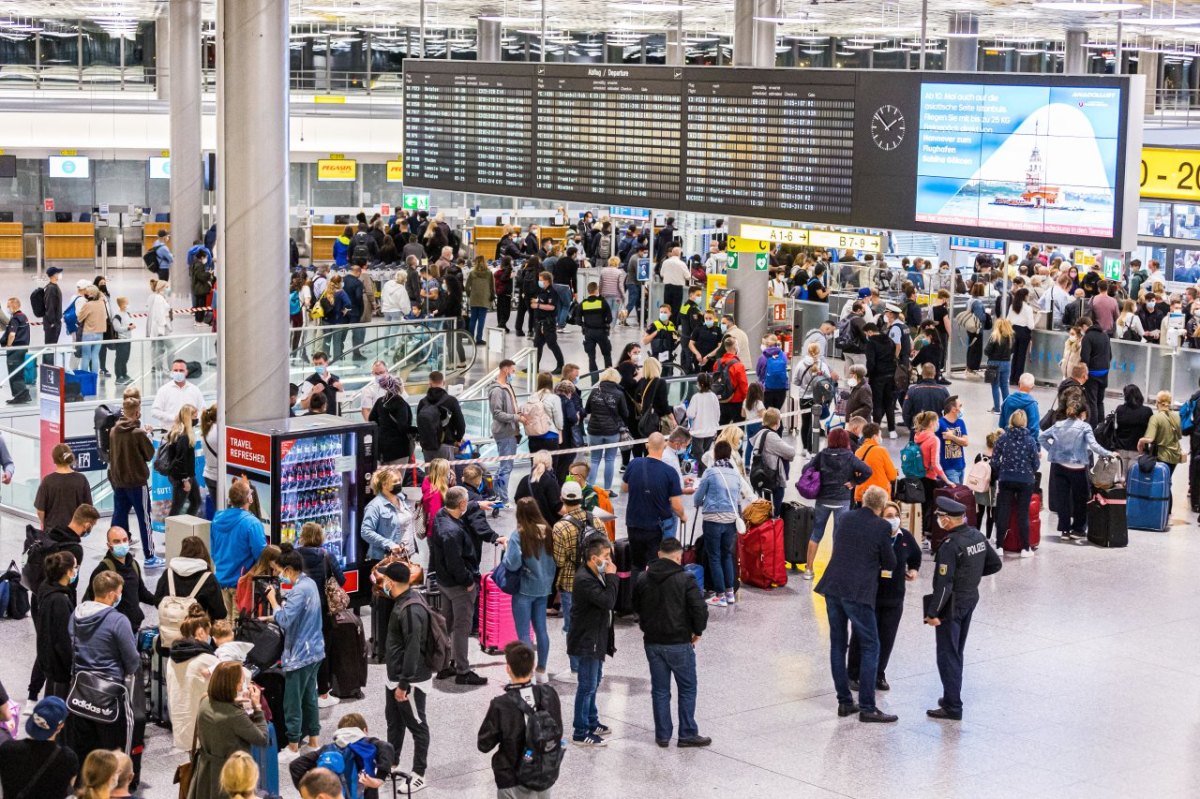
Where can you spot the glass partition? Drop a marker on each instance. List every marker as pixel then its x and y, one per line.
pixel 17 497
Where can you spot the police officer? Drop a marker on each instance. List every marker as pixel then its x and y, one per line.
pixel 691 316
pixel 596 318
pixel 545 310
pixel 662 336
pixel 963 558
pixel 705 341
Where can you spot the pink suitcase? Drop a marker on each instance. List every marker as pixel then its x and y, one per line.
pixel 496 625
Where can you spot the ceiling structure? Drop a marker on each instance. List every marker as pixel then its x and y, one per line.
pixel 1147 23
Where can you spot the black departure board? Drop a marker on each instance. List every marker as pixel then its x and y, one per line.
pixel 469 130
pixel 760 142
pixel 609 130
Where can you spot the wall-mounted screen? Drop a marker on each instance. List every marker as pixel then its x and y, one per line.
pixel 63 166
pixel 160 168
pixel 8 166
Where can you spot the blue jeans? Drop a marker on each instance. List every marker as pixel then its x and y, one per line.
pixel 126 499
pixel 476 322
pixel 1000 387
pixel 719 539
pixel 862 617
pixel 822 510
pixel 504 446
pixel 752 430
pixel 953 475
pixel 633 300
pixel 678 660
pixel 89 361
pixel 610 460
pixel 614 306
pixel 564 297
pixel 587 718
pixel 567 599
pixel 528 609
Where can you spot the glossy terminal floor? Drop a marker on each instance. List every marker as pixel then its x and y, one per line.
pixel 1079 683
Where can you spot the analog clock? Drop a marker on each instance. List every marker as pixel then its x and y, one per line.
pixel 887 127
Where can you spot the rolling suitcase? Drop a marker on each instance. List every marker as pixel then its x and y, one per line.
pixel 962 495
pixel 267 758
pixel 1012 539
pixel 623 562
pixel 347 656
pixel 760 554
pixel 797 529
pixel 154 668
pixel 697 571
pixel 1148 500
pixel 496 626
pixel 1107 525
pixel 272 681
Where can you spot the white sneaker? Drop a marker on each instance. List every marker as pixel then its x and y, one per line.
pixel 327 701
pixel 1027 553
pixel 807 575
pixel 891 434
pixel 730 598
pixel 540 678
pixel 569 677
pixel 717 601
pixel 415 783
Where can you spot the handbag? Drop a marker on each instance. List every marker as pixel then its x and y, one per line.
pixel 910 490
pixel 990 373
pixel 96 698
pixel 506 580
pixel 809 482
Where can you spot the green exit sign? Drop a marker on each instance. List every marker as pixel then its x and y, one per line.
pixel 416 202
pixel 1112 268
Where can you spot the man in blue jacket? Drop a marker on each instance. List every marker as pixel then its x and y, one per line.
pixel 1021 400
pixel 237 541
pixel 862 553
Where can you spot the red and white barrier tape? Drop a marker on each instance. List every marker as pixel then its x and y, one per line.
pixel 174 312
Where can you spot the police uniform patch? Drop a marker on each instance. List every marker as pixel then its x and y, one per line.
pixel 942 570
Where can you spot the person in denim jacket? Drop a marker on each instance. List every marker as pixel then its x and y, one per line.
pixel 1015 462
pixel 530 551
pixel 718 497
pixel 303 649
pixel 1067 445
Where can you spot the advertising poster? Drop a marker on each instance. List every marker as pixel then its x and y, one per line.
pixel 52 409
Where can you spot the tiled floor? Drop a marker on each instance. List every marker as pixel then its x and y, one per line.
pixel 1078 684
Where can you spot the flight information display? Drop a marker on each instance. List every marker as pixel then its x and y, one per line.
pixel 758 142
pixel 469 129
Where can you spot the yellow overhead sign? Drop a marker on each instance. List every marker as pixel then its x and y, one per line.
pixel 1170 174
pixel 395 171
pixel 816 238
pixel 743 243
pixel 345 169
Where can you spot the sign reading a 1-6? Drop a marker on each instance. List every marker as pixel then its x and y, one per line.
pixel 416 202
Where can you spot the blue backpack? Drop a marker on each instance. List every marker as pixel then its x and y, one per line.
pixel 70 320
pixel 911 461
pixel 294 303
pixel 1187 415
pixel 777 372
pixel 348 762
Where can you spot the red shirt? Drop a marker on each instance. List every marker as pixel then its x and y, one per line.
pixel 737 373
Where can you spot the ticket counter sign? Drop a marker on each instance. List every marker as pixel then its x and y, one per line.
pixel 337 169
pixel 395 171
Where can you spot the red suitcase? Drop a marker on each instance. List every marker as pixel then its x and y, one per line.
pixel 1012 540
pixel 760 555
pixel 960 494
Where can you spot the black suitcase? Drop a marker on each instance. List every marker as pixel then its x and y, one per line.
pixel 1194 482
pixel 154 681
pixel 797 530
pixel 381 612
pixel 347 656
pixel 624 566
pixel 1106 520
pixel 272 682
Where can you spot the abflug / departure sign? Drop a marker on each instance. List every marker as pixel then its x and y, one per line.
pixel 1035 159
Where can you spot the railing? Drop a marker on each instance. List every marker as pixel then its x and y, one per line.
pixel 17 497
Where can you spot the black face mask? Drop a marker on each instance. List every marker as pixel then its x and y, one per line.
pixel 396 489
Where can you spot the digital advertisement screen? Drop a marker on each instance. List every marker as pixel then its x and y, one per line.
pixel 1041 159
pixel 160 168
pixel 62 166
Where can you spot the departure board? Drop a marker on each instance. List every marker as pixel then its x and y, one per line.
pixel 469 130
pixel 757 144
pixel 605 131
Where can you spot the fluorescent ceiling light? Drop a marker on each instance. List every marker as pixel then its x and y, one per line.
pixel 651 8
pixel 1086 6
pixel 801 18
pixel 1161 22
pixel 813 52
pixel 511 20
pixel 866 40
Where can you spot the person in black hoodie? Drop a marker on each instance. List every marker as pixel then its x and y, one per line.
pixel 881 372
pixel 189 567
pixel 503 727
pixel 889 601
pixel 591 638
pixel 408 676
pixel 452 434
pixel 55 603
pixel 453 559
pixel 672 615
pixel 1095 351
pixel 119 560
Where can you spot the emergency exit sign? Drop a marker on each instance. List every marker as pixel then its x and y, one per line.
pixel 416 202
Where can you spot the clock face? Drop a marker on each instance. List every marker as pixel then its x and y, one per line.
pixel 887 127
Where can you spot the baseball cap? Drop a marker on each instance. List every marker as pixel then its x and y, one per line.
pixel 45 718
pixel 82 284
pixel 572 491
pixel 54 270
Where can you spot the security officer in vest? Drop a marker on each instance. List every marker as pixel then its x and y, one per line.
pixel 545 320
pixel 691 316
pixel 595 318
pixel 662 336
pixel 962 560
pixel 704 344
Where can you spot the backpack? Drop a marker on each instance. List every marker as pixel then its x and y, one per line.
pixel 848 339
pixel 173 609
pixel 969 322
pixel 538 769
pixel 294 305
pixel 776 377
pixel 14 598
pixel 104 419
pixel 37 302
pixel 912 463
pixel 437 647
pixel 1187 414
pixel 979 476
pixel 722 384
pixel 762 477
pixel 38 547
pixel 347 763
pixel 537 423
pixel 164 459
pixel 649 422
pixel 582 536
pixel 432 420
pixel 360 245
pixel 70 320
pixel 150 258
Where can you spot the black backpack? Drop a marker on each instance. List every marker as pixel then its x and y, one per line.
pixel 763 479
pixel 37 302
pixel 722 383
pixel 848 339
pixel 150 258
pixel 360 245
pixel 538 769
pixel 104 419
pixel 432 420
pixel 38 547
pixel 17 604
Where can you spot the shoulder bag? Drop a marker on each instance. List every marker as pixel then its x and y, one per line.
pixel 738 521
pixel 93 697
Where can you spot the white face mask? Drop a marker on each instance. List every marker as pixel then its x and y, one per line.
pixel 853 381
pixel 895 523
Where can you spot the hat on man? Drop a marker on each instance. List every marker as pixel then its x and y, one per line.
pixel 45 719
pixel 891 306
pixel 949 507
pixel 572 492
pixel 864 292
pixel 398 572
pixel 54 270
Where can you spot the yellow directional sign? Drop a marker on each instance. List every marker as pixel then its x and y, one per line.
pixel 742 244
pixel 769 234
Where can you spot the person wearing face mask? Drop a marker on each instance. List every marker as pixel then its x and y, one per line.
pixel 1151 315
pixel 861 402
pixel 53 606
pixel 704 342
pixel 691 316
pixel 591 638
pixel 964 558
pixel 134 593
pixel 322 380
pixel 372 391
pixel 1171 331
pixel 304 648
pixel 409 678
pixel 596 319
pixel 394 416
pixel 889 600
pixel 172 396
pixel 545 308
pixel 662 336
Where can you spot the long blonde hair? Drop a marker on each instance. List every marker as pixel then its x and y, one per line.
pixel 99 769
pixel 542 460
pixel 239 776
pixel 438 475
pixel 1003 331
pixel 651 369
pixel 183 425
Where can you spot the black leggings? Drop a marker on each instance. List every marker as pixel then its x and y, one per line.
pixel 1069 492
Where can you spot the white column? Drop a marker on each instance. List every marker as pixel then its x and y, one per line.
pixel 962 46
pixel 252 202
pixel 487 39
pixel 162 55
pixel 675 48
pixel 752 306
pixel 1076 54
pixel 187 177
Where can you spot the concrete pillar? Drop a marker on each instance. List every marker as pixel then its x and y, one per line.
pixel 487 39
pixel 252 202
pixel 1148 65
pixel 753 39
pixel 187 176
pixel 675 49
pixel 752 310
pixel 162 56
pixel 962 46
pixel 1077 58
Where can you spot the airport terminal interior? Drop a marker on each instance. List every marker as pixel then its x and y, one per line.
pixel 943 166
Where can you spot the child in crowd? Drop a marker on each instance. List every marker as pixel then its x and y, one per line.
pixel 986 500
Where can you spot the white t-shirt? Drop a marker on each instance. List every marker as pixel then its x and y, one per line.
pixel 704 414
pixel 171 398
pixel 675 272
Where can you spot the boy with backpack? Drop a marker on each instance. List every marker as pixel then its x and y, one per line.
pixel 524 726
pixel 440 423
pixel 362 762
pixel 772 370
